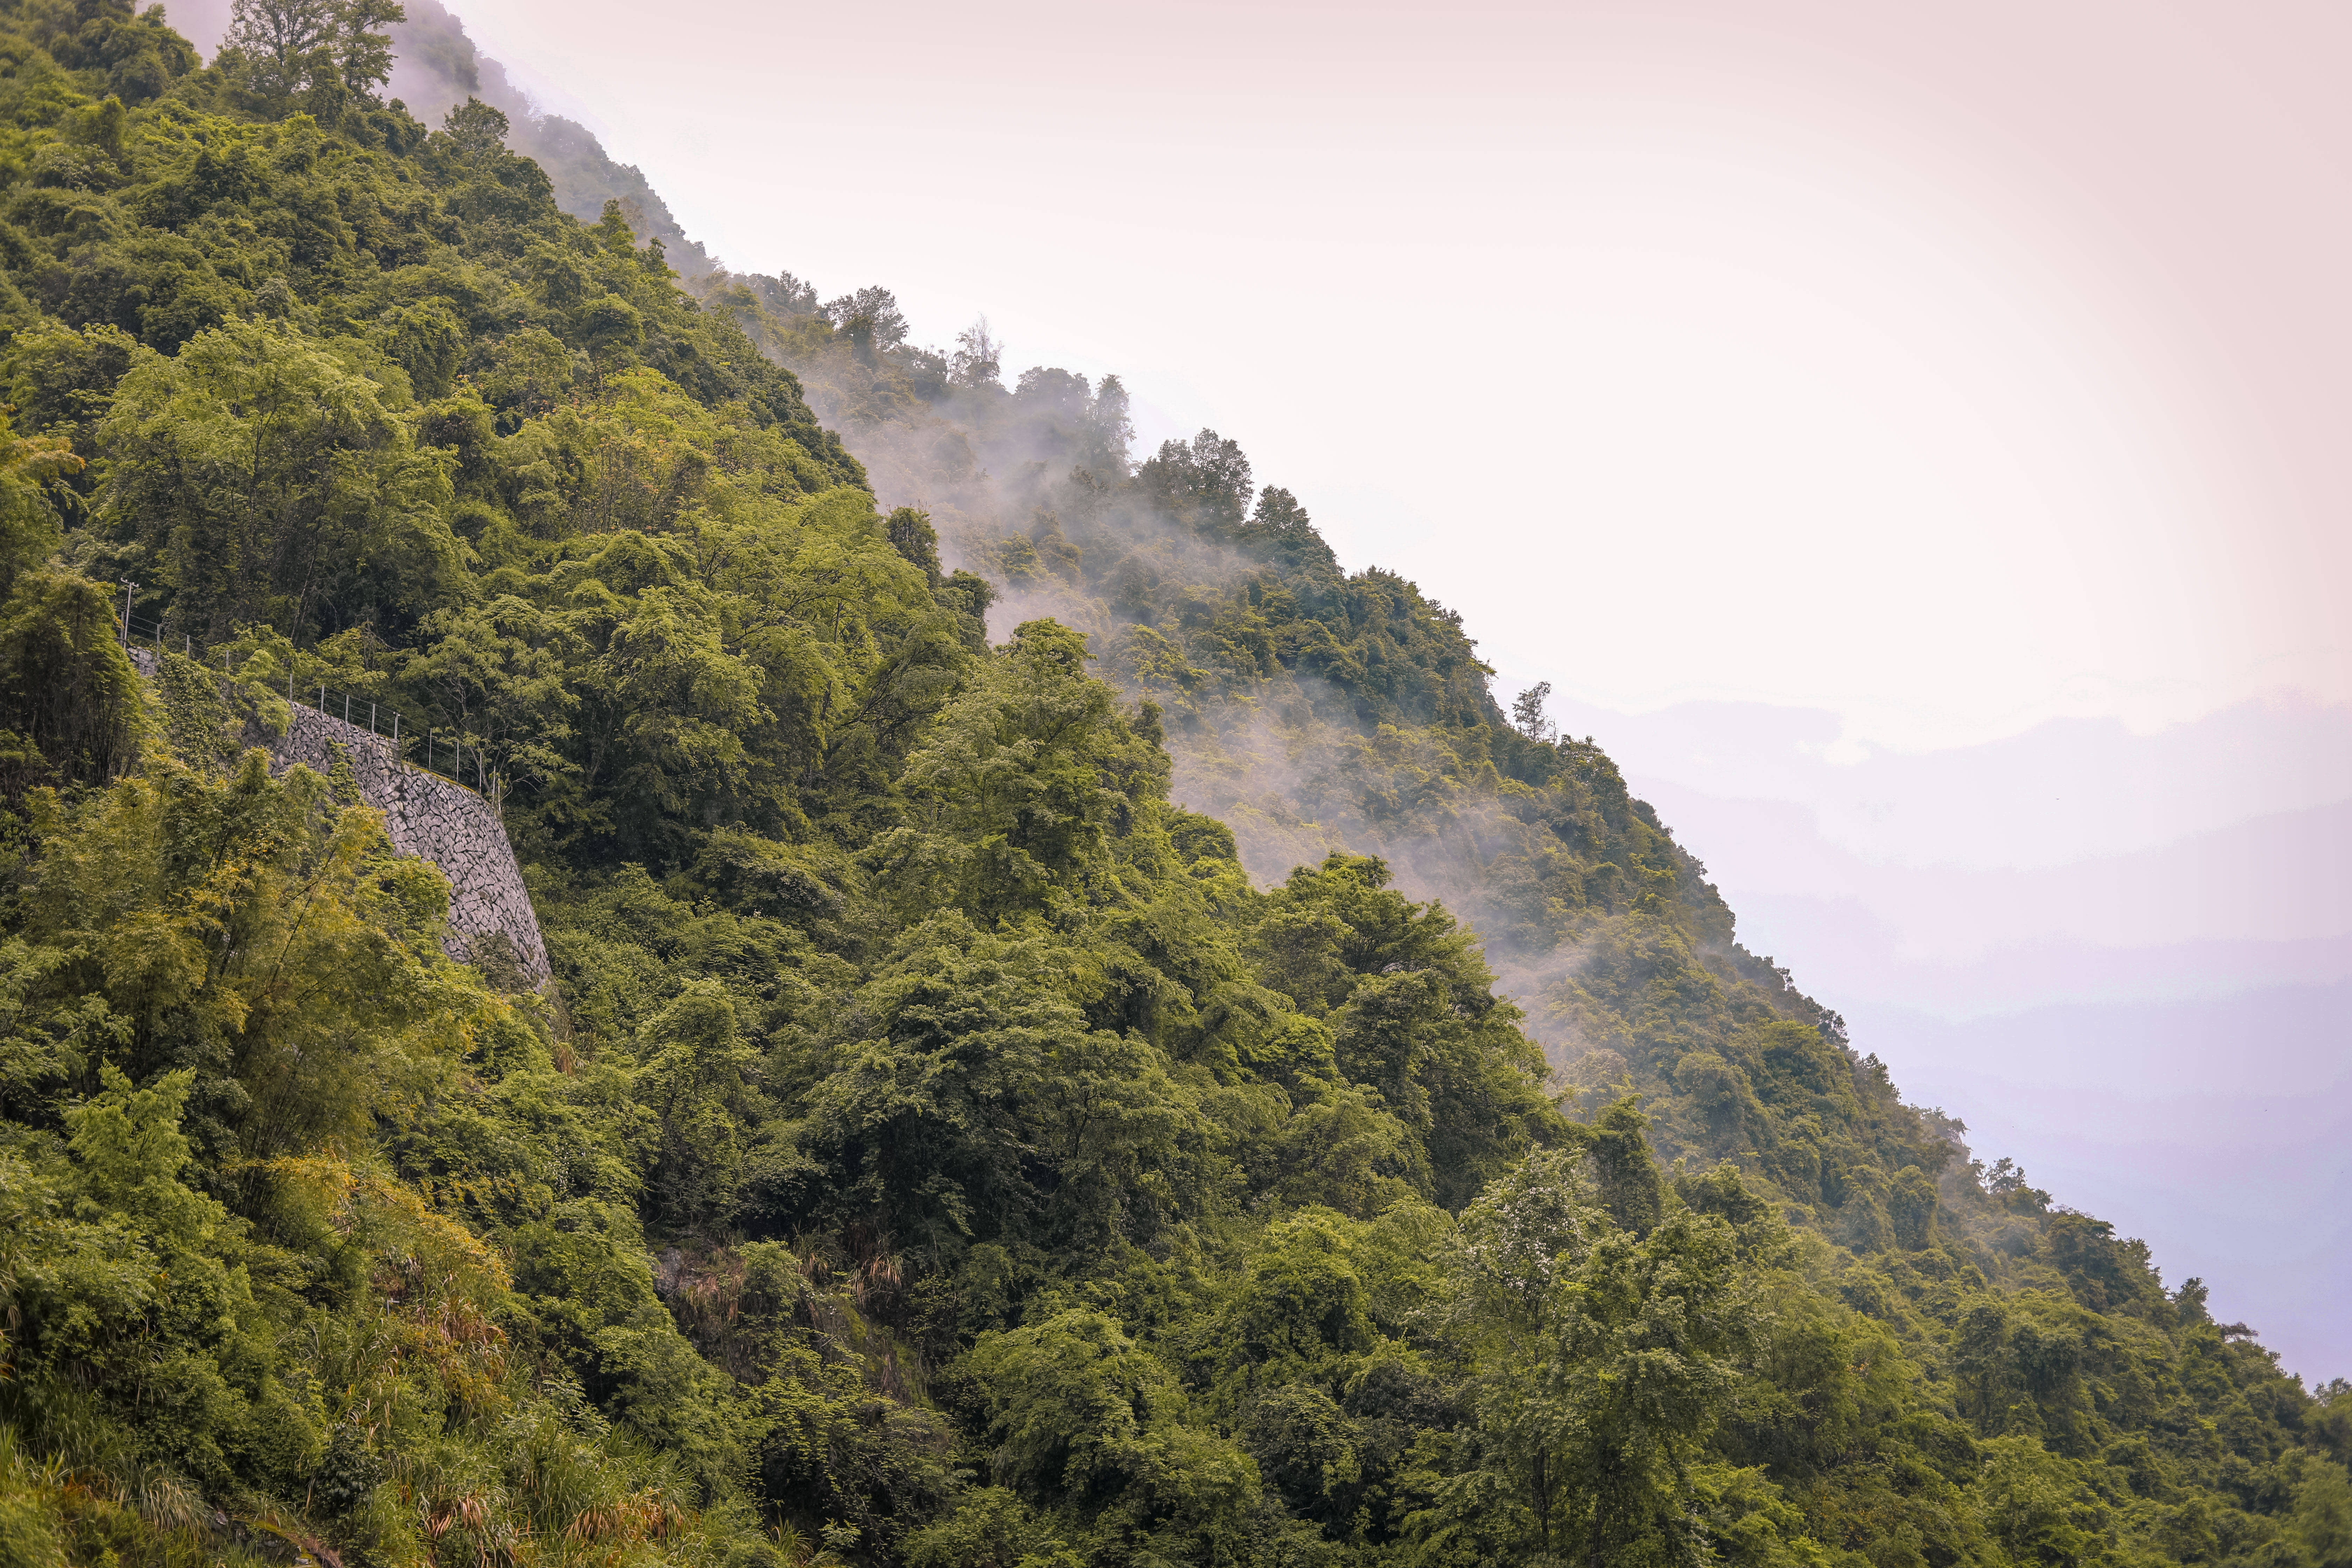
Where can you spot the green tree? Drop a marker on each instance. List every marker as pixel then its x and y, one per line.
pixel 284 48
pixel 1081 1414
pixel 965 1096
pixel 1607 1361
pixel 70 701
pixel 497 675
pixel 697 1078
pixel 273 483
pixel 870 319
pixel 1023 796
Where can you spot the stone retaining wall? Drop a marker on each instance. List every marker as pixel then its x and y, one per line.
pixel 429 816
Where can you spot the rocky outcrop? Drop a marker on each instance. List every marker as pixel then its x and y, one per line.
pixel 434 819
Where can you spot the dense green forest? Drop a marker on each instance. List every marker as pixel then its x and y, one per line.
pixel 939 1146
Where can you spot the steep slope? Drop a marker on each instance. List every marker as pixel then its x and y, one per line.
pixel 437 68
pixel 1312 710
pixel 936 1147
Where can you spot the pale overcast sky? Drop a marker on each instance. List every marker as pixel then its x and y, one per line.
pixel 1945 367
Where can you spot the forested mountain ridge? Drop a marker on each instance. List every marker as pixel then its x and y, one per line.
pixel 1312 710
pixel 937 1147
pixel 435 67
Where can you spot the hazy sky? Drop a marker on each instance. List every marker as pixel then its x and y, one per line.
pixel 1912 437
pixel 2124 960
pixel 1943 367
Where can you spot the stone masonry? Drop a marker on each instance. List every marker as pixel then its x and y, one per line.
pixel 429 816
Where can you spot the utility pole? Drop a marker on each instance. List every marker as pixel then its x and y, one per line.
pixel 127 587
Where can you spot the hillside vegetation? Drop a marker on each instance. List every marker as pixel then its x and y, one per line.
pixel 939 1145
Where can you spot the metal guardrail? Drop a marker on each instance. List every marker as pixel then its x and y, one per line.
pixel 138 632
